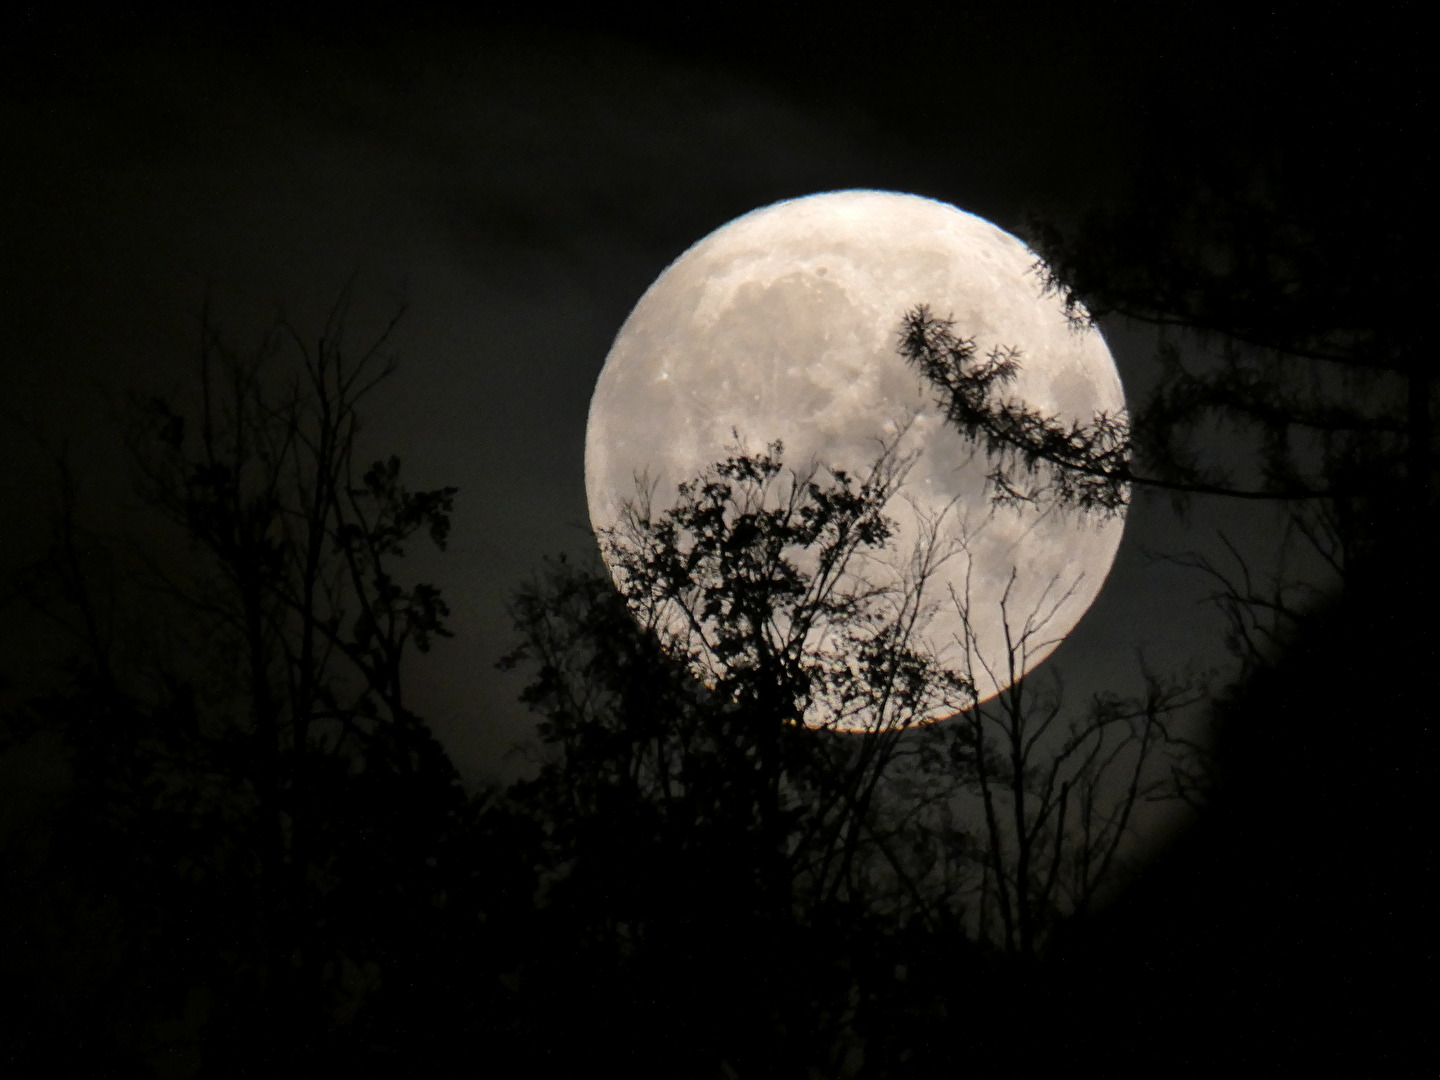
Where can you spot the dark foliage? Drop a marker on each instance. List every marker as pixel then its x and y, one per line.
pixel 1036 457
pixel 247 839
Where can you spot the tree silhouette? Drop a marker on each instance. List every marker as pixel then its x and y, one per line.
pixel 763 789
pixel 691 810
pixel 1034 455
pixel 1280 323
pixel 1057 789
pixel 1292 372
pixel 1280 316
pixel 252 809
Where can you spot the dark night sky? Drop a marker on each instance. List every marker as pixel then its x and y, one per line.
pixel 521 183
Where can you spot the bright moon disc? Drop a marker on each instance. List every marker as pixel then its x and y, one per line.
pixel 783 325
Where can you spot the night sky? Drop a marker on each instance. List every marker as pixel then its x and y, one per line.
pixel 518 181
pixel 519 184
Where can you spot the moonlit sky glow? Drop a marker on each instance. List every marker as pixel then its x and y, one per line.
pixel 520 186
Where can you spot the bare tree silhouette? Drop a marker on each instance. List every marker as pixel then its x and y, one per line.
pixel 1292 371
pixel 243 765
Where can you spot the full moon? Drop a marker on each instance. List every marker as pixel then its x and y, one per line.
pixel 784 325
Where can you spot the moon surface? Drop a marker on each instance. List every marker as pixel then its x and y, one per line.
pixel 784 323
